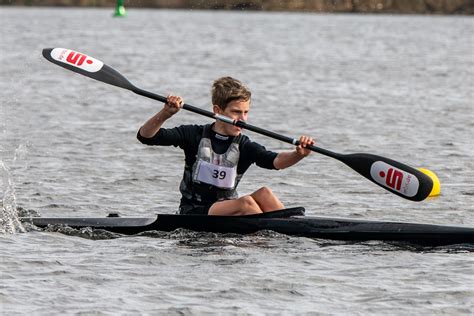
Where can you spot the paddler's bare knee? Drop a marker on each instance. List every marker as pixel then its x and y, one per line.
pixel 248 205
pixel 267 200
pixel 245 205
pixel 264 192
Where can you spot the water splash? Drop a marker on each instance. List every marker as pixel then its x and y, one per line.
pixel 9 221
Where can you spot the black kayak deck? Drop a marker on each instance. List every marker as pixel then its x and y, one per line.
pixel 289 221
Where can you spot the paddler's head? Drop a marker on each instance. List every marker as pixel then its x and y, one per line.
pixel 230 98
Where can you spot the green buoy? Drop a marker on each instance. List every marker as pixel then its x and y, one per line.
pixel 120 9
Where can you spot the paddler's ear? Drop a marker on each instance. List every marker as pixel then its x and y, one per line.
pixel 216 109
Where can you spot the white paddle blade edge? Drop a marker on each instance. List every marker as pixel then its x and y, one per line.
pixel 394 179
pixel 76 59
pixel 87 66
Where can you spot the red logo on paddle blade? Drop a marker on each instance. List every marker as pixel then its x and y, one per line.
pixel 394 179
pixel 76 58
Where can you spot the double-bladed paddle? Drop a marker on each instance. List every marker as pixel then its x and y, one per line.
pixel 391 175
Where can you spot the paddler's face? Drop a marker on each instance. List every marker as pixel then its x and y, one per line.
pixel 237 110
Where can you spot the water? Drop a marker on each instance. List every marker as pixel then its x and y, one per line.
pixel 397 86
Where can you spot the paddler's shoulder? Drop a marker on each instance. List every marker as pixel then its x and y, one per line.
pixel 191 127
pixel 191 131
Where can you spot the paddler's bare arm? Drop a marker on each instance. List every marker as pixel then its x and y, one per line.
pixel 153 125
pixel 288 159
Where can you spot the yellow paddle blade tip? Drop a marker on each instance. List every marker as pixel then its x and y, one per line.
pixel 436 184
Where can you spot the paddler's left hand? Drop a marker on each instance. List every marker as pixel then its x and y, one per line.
pixel 304 142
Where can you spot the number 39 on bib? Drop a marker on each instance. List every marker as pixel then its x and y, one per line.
pixel 219 176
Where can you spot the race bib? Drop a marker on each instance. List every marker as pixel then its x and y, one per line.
pixel 219 176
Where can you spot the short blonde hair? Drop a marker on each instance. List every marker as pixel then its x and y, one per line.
pixel 228 89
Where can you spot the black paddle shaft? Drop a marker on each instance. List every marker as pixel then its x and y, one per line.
pixel 391 175
pixel 238 123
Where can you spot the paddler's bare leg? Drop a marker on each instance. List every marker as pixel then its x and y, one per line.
pixel 266 200
pixel 244 205
pixel 262 200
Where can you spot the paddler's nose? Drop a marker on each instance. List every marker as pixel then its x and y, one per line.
pixel 243 117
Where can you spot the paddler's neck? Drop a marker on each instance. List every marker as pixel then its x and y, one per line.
pixel 219 128
pixel 222 128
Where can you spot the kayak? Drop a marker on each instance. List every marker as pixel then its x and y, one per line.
pixel 290 221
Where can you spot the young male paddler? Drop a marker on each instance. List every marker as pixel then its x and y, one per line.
pixel 217 155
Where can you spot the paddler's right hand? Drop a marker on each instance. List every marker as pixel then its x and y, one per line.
pixel 173 104
pixel 152 126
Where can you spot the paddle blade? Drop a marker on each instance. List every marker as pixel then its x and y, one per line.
pixel 391 175
pixel 87 66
